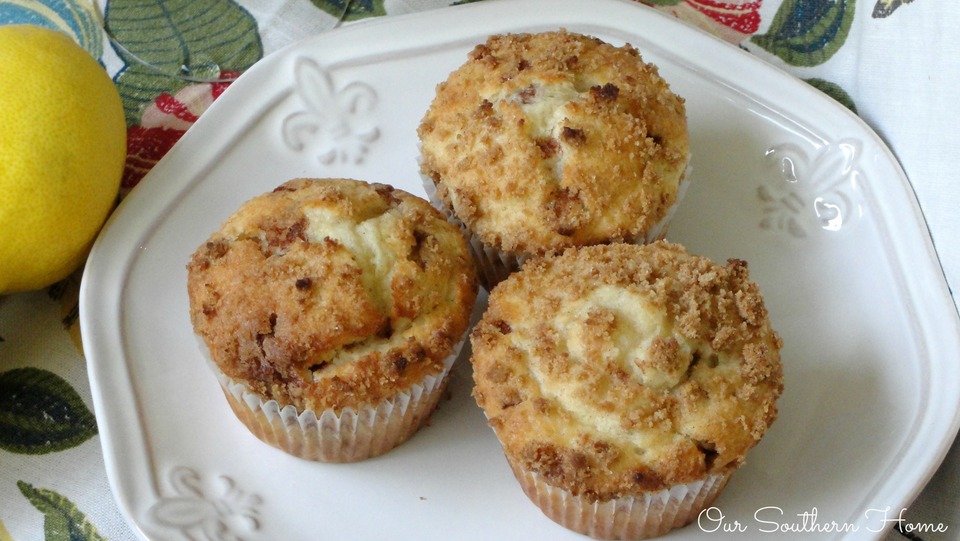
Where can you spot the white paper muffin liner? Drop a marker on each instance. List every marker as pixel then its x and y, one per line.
pixel 494 265
pixel 633 517
pixel 328 436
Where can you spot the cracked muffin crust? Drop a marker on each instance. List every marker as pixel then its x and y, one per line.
pixel 617 370
pixel 332 293
pixel 549 140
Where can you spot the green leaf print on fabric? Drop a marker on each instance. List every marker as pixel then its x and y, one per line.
pixel 356 9
pixel 76 18
pixel 834 91
pixel 139 85
pixel 41 413
pixel 62 521
pixel 808 32
pixel 885 8
pixel 180 41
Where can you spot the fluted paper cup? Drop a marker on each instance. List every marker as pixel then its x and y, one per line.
pixel 494 265
pixel 642 516
pixel 349 435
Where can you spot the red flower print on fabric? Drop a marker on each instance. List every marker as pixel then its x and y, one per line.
pixel 730 20
pixel 163 123
pixel 743 17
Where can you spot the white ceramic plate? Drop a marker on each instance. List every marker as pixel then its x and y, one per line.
pixel 784 178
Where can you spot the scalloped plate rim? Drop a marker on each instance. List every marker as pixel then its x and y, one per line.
pixel 103 343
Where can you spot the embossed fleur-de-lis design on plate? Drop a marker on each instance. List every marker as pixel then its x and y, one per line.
pixel 208 509
pixel 337 122
pixel 820 188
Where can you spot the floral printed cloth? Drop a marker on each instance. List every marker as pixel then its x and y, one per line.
pixel 890 61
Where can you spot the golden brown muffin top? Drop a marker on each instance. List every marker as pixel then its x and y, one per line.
pixel 328 293
pixel 544 141
pixel 618 369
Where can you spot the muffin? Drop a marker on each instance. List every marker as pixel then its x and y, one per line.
pixel 626 383
pixel 540 142
pixel 332 311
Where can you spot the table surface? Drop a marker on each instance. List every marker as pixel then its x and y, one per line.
pixel 891 61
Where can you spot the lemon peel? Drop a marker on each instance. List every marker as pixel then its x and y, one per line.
pixel 62 152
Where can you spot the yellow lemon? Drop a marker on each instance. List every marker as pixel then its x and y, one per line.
pixel 62 149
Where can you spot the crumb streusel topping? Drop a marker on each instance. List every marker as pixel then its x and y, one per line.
pixel 614 369
pixel 328 293
pixel 544 141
